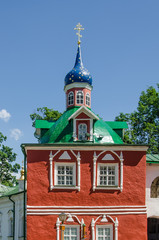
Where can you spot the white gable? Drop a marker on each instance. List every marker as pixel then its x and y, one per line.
pixel 85 110
pixel 108 157
pixel 65 155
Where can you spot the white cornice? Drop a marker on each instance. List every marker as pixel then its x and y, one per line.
pixel 77 85
pixel 83 147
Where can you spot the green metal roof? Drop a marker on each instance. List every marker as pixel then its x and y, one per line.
pixel 117 124
pixel 152 158
pixel 43 124
pixel 7 191
pixel 62 131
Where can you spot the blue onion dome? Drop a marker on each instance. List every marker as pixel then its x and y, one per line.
pixel 78 73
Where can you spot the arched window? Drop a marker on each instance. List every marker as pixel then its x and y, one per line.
pixel 79 97
pixel 82 131
pixel 70 98
pixel 88 99
pixel 155 188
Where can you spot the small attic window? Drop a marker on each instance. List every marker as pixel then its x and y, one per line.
pixel 82 132
pixel 79 97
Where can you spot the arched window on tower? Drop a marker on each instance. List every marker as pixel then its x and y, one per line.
pixel 155 188
pixel 79 97
pixel 87 99
pixel 70 98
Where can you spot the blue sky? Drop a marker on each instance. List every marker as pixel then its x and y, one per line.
pixel 120 48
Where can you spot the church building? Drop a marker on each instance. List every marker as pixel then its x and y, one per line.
pixel 83 181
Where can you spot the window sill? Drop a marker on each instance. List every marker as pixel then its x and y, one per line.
pixel 107 187
pixel 65 187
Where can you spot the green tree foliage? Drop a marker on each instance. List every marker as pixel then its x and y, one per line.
pixel 7 157
pixel 144 122
pixel 45 113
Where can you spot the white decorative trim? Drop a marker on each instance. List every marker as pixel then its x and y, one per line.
pixel 94 170
pixel 121 171
pixel 91 207
pixel 78 170
pixel 51 157
pixel 91 129
pixel 93 147
pixel 77 85
pixel 65 155
pixel 85 110
pixel 93 230
pixel 108 157
pixel 120 158
pixel 58 229
pixel 115 222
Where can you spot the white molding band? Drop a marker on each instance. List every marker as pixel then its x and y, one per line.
pixel 94 170
pixel 86 210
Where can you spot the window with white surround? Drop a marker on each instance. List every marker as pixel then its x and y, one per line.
pixel 104 232
pixel 79 97
pixel 65 174
pixel 107 175
pixel 71 232
pixel 88 99
pixel 70 98
pixel 82 132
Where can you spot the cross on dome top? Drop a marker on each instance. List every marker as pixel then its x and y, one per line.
pixel 78 28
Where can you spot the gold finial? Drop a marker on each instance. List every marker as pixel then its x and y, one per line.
pixel 78 28
pixel 22 171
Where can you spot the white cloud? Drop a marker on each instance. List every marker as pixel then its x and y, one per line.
pixel 4 115
pixel 16 133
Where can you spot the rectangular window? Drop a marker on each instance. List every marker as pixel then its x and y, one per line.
pixel 104 232
pixel 65 174
pixel 107 175
pixel 71 233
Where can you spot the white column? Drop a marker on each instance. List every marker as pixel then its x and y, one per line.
pixel 91 129
pixel 121 171
pixel 82 222
pixel 93 232
pixel 58 229
pixel 94 170
pixel 51 172
pixel 79 170
pixel 116 229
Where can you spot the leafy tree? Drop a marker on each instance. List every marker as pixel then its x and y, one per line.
pixel 45 113
pixel 7 157
pixel 144 122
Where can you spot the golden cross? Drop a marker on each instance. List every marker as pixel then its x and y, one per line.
pixel 78 28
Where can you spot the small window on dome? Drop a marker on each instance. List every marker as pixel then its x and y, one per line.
pixel 79 99
pixel 88 99
pixel 70 98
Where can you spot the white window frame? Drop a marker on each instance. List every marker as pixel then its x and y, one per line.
pixel 88 99
pixel 74 174
pixel 80 97
pixel 110 226
pixel 73 226
pixel 116 174
pixel 70 100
